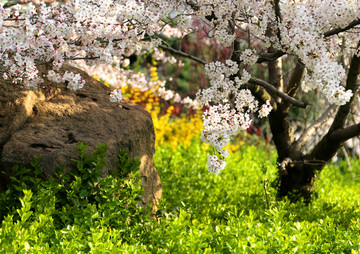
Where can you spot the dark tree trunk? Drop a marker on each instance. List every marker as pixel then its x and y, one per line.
pixel 297 181
pixel 297 172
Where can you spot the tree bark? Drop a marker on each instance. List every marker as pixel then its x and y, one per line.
pixel 297 172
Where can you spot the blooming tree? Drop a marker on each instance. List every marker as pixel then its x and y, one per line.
pixel 320 39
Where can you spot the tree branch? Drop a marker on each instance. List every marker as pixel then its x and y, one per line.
pixel 294 83
pixel 295 79
pixel 278 118
pixel 181 53
pixel 268 87
pixel 275 74
pixel 351 83
pixel 270 56
pixel 277 10
pixel 336 135
pixel 12 3
pixel 306 135
pixel 236 48
pixel 278 18
pixel 82 58
pixel 342 135
pixel 260 93
pixel 274 92
pixel 339 30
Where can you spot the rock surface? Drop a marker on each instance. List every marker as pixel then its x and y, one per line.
pixel 32 124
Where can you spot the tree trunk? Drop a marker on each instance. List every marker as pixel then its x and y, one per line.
pixel 297 180
pixel 297 172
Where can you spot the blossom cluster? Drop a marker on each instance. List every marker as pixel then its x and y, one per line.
pixel 118 78
pixel 249 56
pixel 220 120
pixel 116 95
pixel 86 29
pixel 306 39
pixel 96 31
pixel 74 81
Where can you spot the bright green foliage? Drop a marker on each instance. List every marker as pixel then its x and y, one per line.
pixel 229 213
pixel 76 211
pixel 234 212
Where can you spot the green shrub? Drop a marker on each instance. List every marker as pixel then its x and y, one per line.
pixel 233 212
pixel 237 210
pixel 74 211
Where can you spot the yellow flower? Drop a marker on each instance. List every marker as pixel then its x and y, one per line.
pixel 153 79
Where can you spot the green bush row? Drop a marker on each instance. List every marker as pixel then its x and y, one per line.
pixel 233 212
pixel 73 212
pixel 237 211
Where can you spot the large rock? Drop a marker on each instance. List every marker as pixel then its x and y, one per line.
pixel 32 124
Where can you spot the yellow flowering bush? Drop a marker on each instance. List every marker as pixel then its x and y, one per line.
pixel 176 132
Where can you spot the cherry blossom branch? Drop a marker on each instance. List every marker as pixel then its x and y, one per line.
pixel 351 83
pixel 294 83
pixel 81 58
pixel 295 79
pixel 274 92
pixel 167 47
pixel 339 30
pixel 260 93
pixel 333 140
pixel 276 4
pixel 279 53
pixel 275 73
pixel 270 56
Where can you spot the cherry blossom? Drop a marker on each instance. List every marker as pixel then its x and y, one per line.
pixel 101 32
